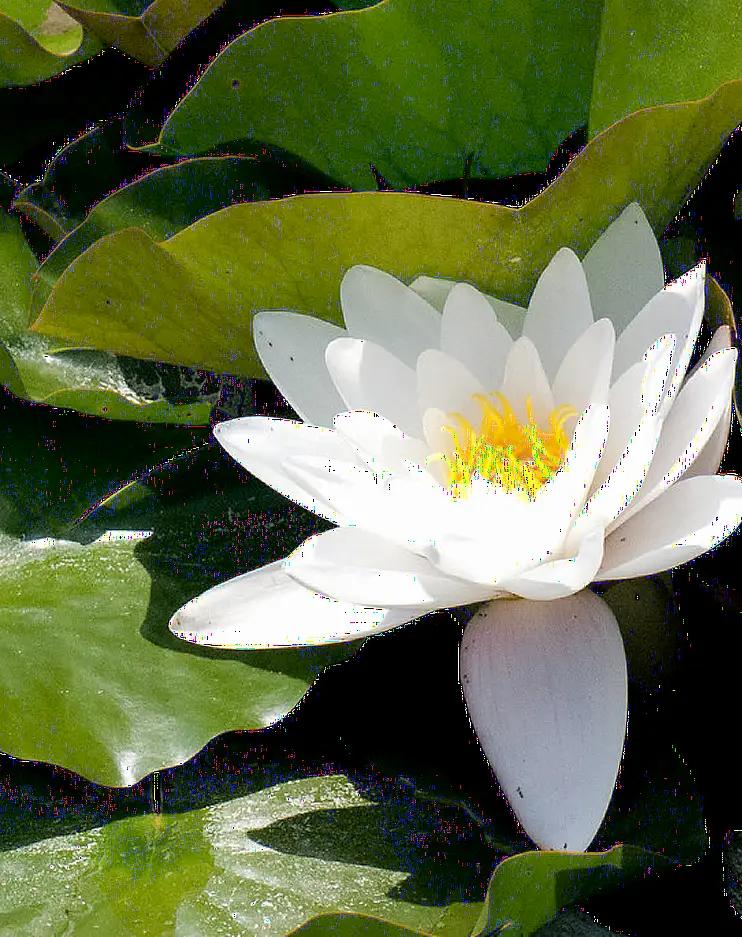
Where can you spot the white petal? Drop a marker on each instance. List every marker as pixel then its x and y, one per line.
pixel 444 383
pixel 433 290
pixel 692 286
pixel 409 510
pixel 377 307
pixel 710 457
pixel 368 377
pixel 292 349
pixel 624 268
pixel 625 476
pixel 355 566
pixel 266 608
pixel 545 686
pixel 471 333
pixel 560 578
pixel 381 444
pixel 584 377
pixel 666 313
pixel 262 445
pixel 510 315
pixel 559 310
pixel 701 404
pixel 525 377
pixel 688 519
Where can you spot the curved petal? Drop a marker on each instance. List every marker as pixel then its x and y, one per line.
pixel 266 608
pixel 624 268
pixel 377 307
pixel 701 404
pixel 368 377
pixel 356 566
pixel 433 290
pixel 563 577
pixel 545 686
pixel 444 383
pixel 525 377
pixel 688 519
pixel 559 310
pixel 692 286
pixel 471 333
pixel 584 376
pixel 381 444
pixel 262 444
pixel 292 349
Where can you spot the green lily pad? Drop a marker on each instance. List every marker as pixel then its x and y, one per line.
pixel 97 383
pixel 412 89
pixel 160 203
pixel 264 862
pixel 94 682
pixel 134 296
pixel 38 40
pixel 528 890
pixel 656 53
pixel 147 31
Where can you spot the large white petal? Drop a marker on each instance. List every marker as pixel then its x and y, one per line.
pixel 710 457
pixel 584 377
pixel 692 286
pixel 353 565
pixel 377 307
pixel 446 384
pixel 292 349
pixel 624 268
pixel 368 377
pixel 381 444
pixel 525 377
pixel 688 519
pixel 560 578
pixel 262 445
pixel 559 310
pixel 545 686
pixel 267 608
pixel 701 404
pixel 471 333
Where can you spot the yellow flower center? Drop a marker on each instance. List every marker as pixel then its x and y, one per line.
pixel 516 456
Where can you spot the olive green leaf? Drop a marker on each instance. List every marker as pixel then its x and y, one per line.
pixel 190 298
pixel 39 40
pixel 147 30
pixel 659 53
pixel 414 90
pixel 36 368
pixel 265 861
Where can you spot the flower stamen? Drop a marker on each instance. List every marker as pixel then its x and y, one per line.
pixel 515 456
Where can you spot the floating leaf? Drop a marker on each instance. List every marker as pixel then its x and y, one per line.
pixel 265 862
pixel 114 696
pixel 38 40
pixel 662 52
pixel 414 90
pixel 189 299
pixel 147 30
pixel 529 889
pixel 93 382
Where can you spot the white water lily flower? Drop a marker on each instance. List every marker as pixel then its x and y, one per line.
pixel 470 451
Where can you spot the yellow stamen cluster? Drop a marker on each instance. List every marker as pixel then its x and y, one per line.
pixel 516 456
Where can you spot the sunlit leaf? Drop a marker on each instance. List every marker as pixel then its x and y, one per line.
pixel 188 300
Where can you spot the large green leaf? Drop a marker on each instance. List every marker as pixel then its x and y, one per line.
pixel 188 299
pixel 412 89
pixel 36 368
pixel 37 41
pixel 93 681
pixel 263 862
pixel 655 53
pixel 160 203
pixel 148 30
